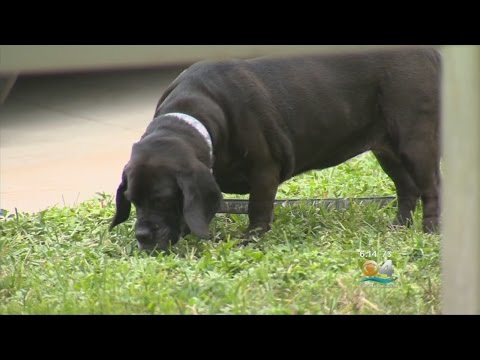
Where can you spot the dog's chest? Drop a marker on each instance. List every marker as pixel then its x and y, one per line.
pixel 232 175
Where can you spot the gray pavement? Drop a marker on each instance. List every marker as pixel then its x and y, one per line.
pixel 64 138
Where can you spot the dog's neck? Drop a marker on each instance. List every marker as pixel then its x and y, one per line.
pixel 197 125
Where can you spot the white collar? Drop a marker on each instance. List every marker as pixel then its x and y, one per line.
pixel 197 125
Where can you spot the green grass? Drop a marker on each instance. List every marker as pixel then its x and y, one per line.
pixel 64 260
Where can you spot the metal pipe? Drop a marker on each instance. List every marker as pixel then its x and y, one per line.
pixel 234 206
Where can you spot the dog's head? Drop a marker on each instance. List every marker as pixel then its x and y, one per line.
pixel 173 193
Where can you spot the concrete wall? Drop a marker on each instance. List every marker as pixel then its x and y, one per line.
pixel 55 58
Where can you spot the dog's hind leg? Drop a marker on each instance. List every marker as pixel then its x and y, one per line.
pixel 408 193
pixel 417 148
pixel 410 105
pixel 421 158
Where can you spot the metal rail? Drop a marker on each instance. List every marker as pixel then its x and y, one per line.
pixel 234 206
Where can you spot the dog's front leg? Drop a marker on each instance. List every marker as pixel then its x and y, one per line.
pixel 264 183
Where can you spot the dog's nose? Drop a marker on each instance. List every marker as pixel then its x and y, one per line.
pixel 149 247
pixel 144 235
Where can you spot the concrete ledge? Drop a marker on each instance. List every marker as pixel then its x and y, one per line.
pixel 61 58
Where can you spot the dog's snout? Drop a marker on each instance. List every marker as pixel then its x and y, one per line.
pixel 156 237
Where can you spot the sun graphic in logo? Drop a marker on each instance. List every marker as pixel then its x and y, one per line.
pixel 370 268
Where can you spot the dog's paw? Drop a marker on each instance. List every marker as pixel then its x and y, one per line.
pixel 400 222
pixel 253 234
pixel 258 230
pixel 431 226
pixel 249 240
pixel 396 226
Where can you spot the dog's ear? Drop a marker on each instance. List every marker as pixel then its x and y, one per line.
pixel 123 205
pixel 201 199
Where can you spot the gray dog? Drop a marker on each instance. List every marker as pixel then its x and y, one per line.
pixel 246 126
